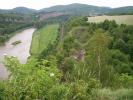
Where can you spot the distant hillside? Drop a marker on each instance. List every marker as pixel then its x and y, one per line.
pixel 122 10
pixel 71 9
pixel 21 10
pixel 77 9
pixel 10 22
pixel 84 9
pixel 4 11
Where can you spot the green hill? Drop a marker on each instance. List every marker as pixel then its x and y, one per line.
pixel 20 10
pixel 84 9
pixel 122 10
pixel 23 10
pixel 77 9
pixel 73 9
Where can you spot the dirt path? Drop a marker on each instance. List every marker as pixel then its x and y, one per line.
pixel 62 32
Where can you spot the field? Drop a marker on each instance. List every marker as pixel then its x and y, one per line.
pixel 121 19
pixel 43 37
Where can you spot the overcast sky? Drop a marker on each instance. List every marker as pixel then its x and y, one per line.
pixel 38 4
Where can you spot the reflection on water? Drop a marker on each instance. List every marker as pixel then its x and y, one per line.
pixel 21 51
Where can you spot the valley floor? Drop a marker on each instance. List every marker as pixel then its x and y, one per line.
pixel 43 37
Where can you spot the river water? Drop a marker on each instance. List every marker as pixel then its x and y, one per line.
pixel 21 51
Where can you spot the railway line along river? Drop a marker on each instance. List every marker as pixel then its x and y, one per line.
pixel 18 46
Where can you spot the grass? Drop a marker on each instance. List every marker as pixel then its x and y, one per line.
pixel 121 19
pixel 107 94
pixel 43 37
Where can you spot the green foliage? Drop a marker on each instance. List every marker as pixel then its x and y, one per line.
pixel 68 44
pixel 121 62
pixel 2 88
pixel 75 21
pixel 126 81
pixel 98 56
pixel 107 94
pixel 109 25
pixel 130 46
pixel 11 22
pixel 59 92
pixel 121 45
pixel 79 91
pixel 34 80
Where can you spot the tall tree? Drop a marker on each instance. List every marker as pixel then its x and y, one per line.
pixel 98 56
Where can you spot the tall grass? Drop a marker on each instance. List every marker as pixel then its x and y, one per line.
pixel 107 94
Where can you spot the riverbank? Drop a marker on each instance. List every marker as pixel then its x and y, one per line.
pixel 12 34
pixel 21 51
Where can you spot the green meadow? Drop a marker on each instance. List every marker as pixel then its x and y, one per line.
pixel 43 37
pixel 120 19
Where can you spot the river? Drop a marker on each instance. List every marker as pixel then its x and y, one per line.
pixel 21 51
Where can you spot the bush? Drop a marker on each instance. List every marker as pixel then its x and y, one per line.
pixel 126 81
pixel 2 88
pixel 79 91
pixel 93 84
pixel 59 92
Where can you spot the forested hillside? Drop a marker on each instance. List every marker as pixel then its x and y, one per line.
pixel 23 10
pixel 84 9
pixel 87 61
pixel 19 10
pixel 12 22
pixel 122 10
pixel 77 9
